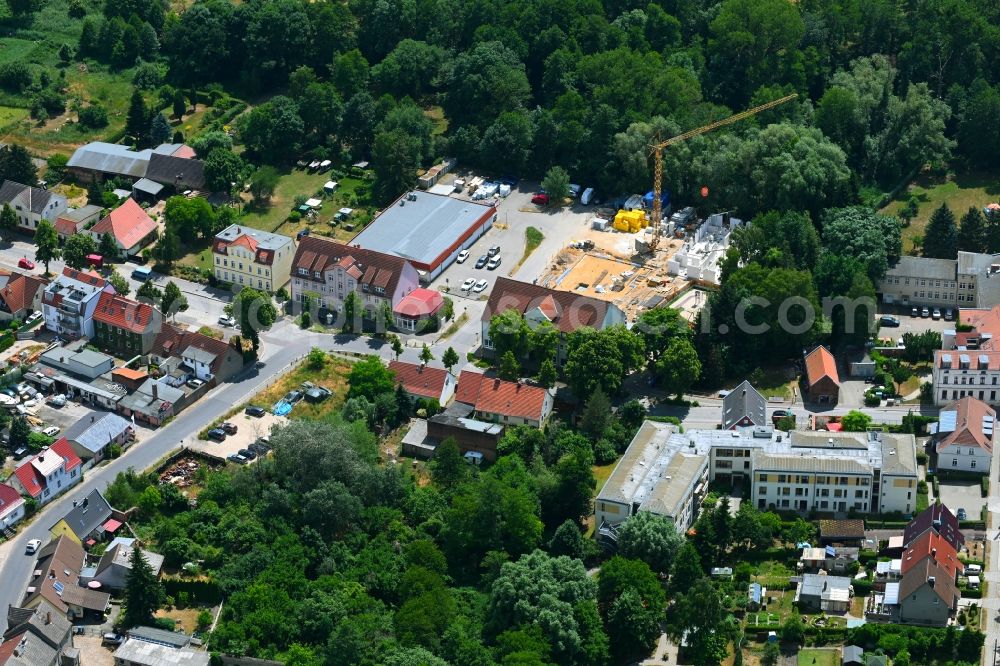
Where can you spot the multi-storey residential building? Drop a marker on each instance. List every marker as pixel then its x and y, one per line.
pixel 804 471
pixel 125 327
pixel 253 258
pixel 564 310
pixel 667 480
pixel 31 204
pixel 324 272
pixel 69 302
pixel 48 474
pixel 968 363
pixel 924 281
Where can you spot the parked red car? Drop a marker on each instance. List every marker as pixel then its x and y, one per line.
pixel 541 199
pixel 26 264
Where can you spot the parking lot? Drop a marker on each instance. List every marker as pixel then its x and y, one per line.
pixel 248 429
pixel 911 324
pixel 962 494
pixel 559 225
pixel 65 416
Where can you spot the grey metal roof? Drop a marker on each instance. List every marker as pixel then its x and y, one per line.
pixel 31 650
pixel 925 267
pixel 91 358
pixel 93 432
pixel 44 620
pixel 148 186
pixel 852 653
pixel 161 636
pixel 765 462
pixel 134 651
pixel 264 239
pixel 814 584
pixel 421 230
pixel 744 401
pixel 199 355
pixel 81 213
pixel 179 172
pixel 111 158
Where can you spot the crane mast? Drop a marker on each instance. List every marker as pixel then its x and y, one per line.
pixel 657 151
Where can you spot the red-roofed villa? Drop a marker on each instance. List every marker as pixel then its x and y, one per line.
pixel 417 308
pixel 130 227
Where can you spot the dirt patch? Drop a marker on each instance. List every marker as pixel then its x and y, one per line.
pixel 92 653
pixel 186 619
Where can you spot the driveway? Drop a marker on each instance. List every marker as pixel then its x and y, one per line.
pixel 956 494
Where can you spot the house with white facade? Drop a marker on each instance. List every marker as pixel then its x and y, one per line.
pixel 963 436
pixel 11 507
pixel 50 473
pixel 31 204
pixel 324 272
pixel 249 257
pixel 69 302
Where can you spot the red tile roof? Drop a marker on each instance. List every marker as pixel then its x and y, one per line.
pixel 468 386
pixel 29 477
pixel 567 311
pixel 419 379
pixel 171 341
pixel 124 313
pixel 128 224
pixel 936 517
pixel 10 499
pixel 420 303
pixel 185 151
pixel 970 417
pixel 8 646
pixel 498 396
pixel 317 255
pixel 819 364
pixel 932 544
pixel 86 277
pixel 20 291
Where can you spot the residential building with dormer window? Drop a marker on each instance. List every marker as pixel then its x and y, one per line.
pixel 247 257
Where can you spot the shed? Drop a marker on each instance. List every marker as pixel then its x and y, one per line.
pixel 314 203
pixel 330 186
pixel 755 594
pixel 852 656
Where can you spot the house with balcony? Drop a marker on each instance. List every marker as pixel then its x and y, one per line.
pixel 125 327
pixel 31 204
pixel 50 473
pixel 324 272
pixel 68 303
pixel 244 256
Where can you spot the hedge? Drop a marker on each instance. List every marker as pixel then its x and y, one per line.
pixel 862 587
pixel 972 525
pixel 198 591
pixel 6 341
pixel 985 486
pixel 969 593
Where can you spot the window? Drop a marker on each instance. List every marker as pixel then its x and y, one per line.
pixel 762 490
pixel 973 465
pixel 954 462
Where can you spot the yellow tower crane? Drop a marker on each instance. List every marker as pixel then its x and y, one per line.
pixel 657 151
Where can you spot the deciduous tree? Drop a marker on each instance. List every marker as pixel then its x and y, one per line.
pixel 46 244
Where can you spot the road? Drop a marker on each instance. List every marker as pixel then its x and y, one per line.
pixel 281 347
pixel 205 303
pixel 990 603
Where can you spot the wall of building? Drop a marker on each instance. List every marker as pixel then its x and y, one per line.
pixel 964 459
pixel 898 493
pixel 807 492
pixel 924 606
pixel 12 518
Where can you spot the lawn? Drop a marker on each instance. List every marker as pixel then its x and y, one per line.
pixel 819 657
pixel 333 376
pixel 532 239
pixel 960 191
pixel 772 382
pixel 36 41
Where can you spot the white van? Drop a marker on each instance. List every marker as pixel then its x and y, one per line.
pixel 587 196
pixel 574 190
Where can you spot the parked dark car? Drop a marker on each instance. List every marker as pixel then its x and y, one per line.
pixel 230 428
pixel 254 410
pixel 481 261
pixel 888 320
pixel 263 444
pixel 247 453
pixel 237 458
pixel 218 434
pixel 493 251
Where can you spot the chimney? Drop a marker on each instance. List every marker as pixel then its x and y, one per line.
pixel 156 391
pixel 48 617
pixel 934 552
pixel 91 419
pixel 931 580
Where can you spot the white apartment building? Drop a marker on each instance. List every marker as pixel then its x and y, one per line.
pixel 971 280
pixel 69 302
pixel 252 258
pixel 666 471
pixel 963 436
pixel 968 363
pixel 31 204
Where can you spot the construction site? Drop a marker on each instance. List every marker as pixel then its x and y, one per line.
pixel 636 257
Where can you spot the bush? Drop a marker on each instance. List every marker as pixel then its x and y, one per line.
pixel 862 587
pixel 985 486
pixel 94 116
pixel 921 458
pixel 294 216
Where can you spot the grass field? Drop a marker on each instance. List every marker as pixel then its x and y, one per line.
pixel 35 41
pixel 818 657
pixel 532 239
pixel 333 376
pixel 959 191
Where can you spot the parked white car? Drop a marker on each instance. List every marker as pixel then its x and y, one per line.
pixel 51 431
pixel 226 320
pixel 468 284
pixel 33 546
pixel 480 286
pixel 462 256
